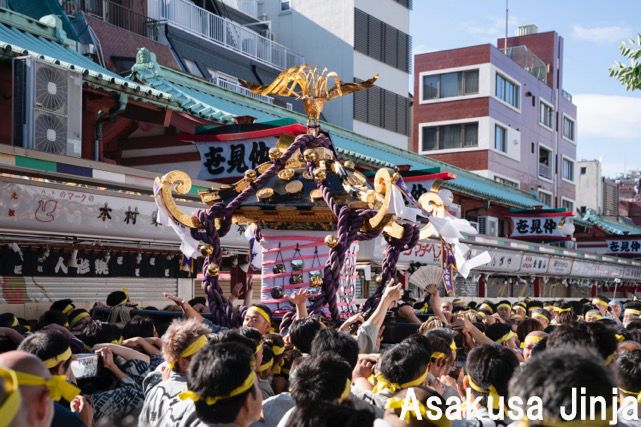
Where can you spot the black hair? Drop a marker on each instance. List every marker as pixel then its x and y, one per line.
pixel 491 364
pixel 61 304
pixel 52 317
pixel 233 335
pixel 116 297
pixel 7 320
pixel 539 347
pixel 436 343
pixel 320 378
pixel 96 332
pixel 594 335
pixel 553 374
pixel 527 326
pixel 46 345
pixel 566 316
pixel 334 342
pixel 303 331
pixel 274 340
pixel 404 362
pixel 216 370
pixel 497 330
pixel 264 308
pixel 7 344
pixel 251 333
pixel 632 335
pixel 198 300
pixel 330 415
pixel 423 341
pixel 488 303
pixel 503 301
pixel 634 325
pixel 73 313
pixel 138 327
pixel 627 369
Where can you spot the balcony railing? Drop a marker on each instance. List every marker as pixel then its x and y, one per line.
pixel 235 87
pixel 202 23
pixel 248 7
pixel 545 171
pixel 528 60
pixel 114 14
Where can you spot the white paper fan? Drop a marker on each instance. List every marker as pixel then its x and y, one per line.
pixel 426 275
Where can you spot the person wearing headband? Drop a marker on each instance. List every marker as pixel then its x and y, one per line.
pixel 258 316
pixel 265 371
pixel 394 409
pixel 520 308
pixel 532 340
pixel 63 305
pixel 117 298
pixel 502 334
pixel 542 316
pixel 601 303
pixel 489 369
pixel 182 341
pixel 78 319
pixel 632 311
pixel 593 315
pixel 302 333
pixel 12 411
pixel 504 309
pixel 615 310
pixel 223 386
pixel 627 371
pixel 556 376
pixel 595 336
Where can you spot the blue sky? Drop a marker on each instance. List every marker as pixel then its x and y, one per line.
pixel 609 117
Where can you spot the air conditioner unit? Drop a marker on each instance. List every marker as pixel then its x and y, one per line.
pixel 488 225
pixel 47 107
pixel 474 224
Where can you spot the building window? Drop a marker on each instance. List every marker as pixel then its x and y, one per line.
pixel 545 198
pixel 500 138
pixel 382 108
pixel 545 162
pixel 284 5
pixel 584 170
pixel 447 137
pixel 192 67
pixel 568 128
pixel 406 3
pixel 545 114
pixel 568 205
pixel 378 40
pixel 507 91
pixel 451 84
pixel 506 181
pixel 568 170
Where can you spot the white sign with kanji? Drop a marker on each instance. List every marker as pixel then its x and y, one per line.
pixel 539 227
pixel 624 247
pixel 534 264
pixel 230 159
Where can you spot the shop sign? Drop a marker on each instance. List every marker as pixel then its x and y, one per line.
pixel 560 266
pixel 624 246
pixel 534 264
pixel 541 227
pixel 230 159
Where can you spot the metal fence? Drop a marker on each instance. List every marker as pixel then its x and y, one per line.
pixel 115 14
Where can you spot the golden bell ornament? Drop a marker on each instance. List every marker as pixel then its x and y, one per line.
pixel 310 155
pixel 275 154
pixel 206 250
pixel 331 241
pixel 213 269
pixel 250 175
pixel 316 281
pixel 320 174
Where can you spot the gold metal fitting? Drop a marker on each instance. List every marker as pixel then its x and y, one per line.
pixel 349 164
pixel 331 241
pixel 275 154
pixel 213 269
pixel 320 174
pixel 310 155
pixel 206 249
pixel 250 175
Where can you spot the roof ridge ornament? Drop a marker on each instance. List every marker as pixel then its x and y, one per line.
pixel 310 86
pixel 146 63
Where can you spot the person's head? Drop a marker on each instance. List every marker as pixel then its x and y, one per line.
pixel 520 308
pixel 258 316
pixel 222 381
pixel 78 318
pixel 322 378
pixel 446 306
pixel 627 370
pixel 96 332
pixel 330 415
pixel 593 315
pixel 542 316
pixel 139 327
pixel 52 347
pixel 330 341
pixel 631 312
pixel 404 364
pixel 303 331
pixel 440 351
pixel 63 305
pixel 183 339
pixel 564 313
pixel 37 406
pixel 616 308
pixel 502 334
pixel 266 368
pixel 594 335
pixel 601 303
pixel 556 374
pixel 527 326
pixel 50 317
pixel 487 307
pixel 394 407
pixel 530 341
pixel 504 309
pixel 199 304
pixel 117 298
pixel 489 367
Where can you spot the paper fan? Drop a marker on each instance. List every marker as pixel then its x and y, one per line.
pixel 426 275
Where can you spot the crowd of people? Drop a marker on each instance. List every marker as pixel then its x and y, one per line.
pixel 109 366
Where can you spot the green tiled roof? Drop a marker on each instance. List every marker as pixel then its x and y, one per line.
pixel 607 225
pixel 346 142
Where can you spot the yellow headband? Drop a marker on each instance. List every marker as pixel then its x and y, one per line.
pixel 13 401
pixel 487 307
pixel 596 316
pixel 562 310
pixel 277 350
pixel 506 305
pixel 384 384
pixel 260 311
pixel 347 390
pixel 126 292
pixel 62 357
pixel 453 346
pixel 259 347
pixel 636 394
pixel 15 322
pixel 191 349
pixel 631 312
pixel 597 301
pixel 506 337
pixel 212 400
pixel 539 315
pixel 620 338
pixel 78 318
pixel 491 392
pixel 395 403
pixel 438 355
pixel 266 366
pixel 67 309
pixel 533 339
pixel 57 385
pixel 118 341
pixel 481 315
pixel 610 358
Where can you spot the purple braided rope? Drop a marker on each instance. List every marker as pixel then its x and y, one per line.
pixel 394 248
pixel 286 322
